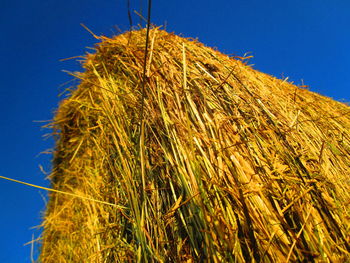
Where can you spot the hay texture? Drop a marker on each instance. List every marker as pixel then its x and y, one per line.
pixel 220 163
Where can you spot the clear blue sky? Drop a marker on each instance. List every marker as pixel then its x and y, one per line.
pixel 307 40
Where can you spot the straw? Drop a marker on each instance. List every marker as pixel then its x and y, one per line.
pixel 236 165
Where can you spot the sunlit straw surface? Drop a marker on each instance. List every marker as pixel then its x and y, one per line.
pixel 237 166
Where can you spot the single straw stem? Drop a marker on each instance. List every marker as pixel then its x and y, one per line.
pixel 62 192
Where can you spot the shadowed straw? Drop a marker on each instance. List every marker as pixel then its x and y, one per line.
pixel 236 165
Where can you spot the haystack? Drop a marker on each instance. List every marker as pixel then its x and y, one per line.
pixel 208 160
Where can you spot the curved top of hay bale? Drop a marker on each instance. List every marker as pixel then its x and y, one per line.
pixel 232 164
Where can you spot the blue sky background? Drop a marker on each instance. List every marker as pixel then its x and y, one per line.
pixel 299 39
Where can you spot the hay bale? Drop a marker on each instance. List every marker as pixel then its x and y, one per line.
pixel 232 165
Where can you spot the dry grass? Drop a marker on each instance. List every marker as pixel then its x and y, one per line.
pixel 232 165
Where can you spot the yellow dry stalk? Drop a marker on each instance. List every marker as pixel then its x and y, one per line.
pixel 236 165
